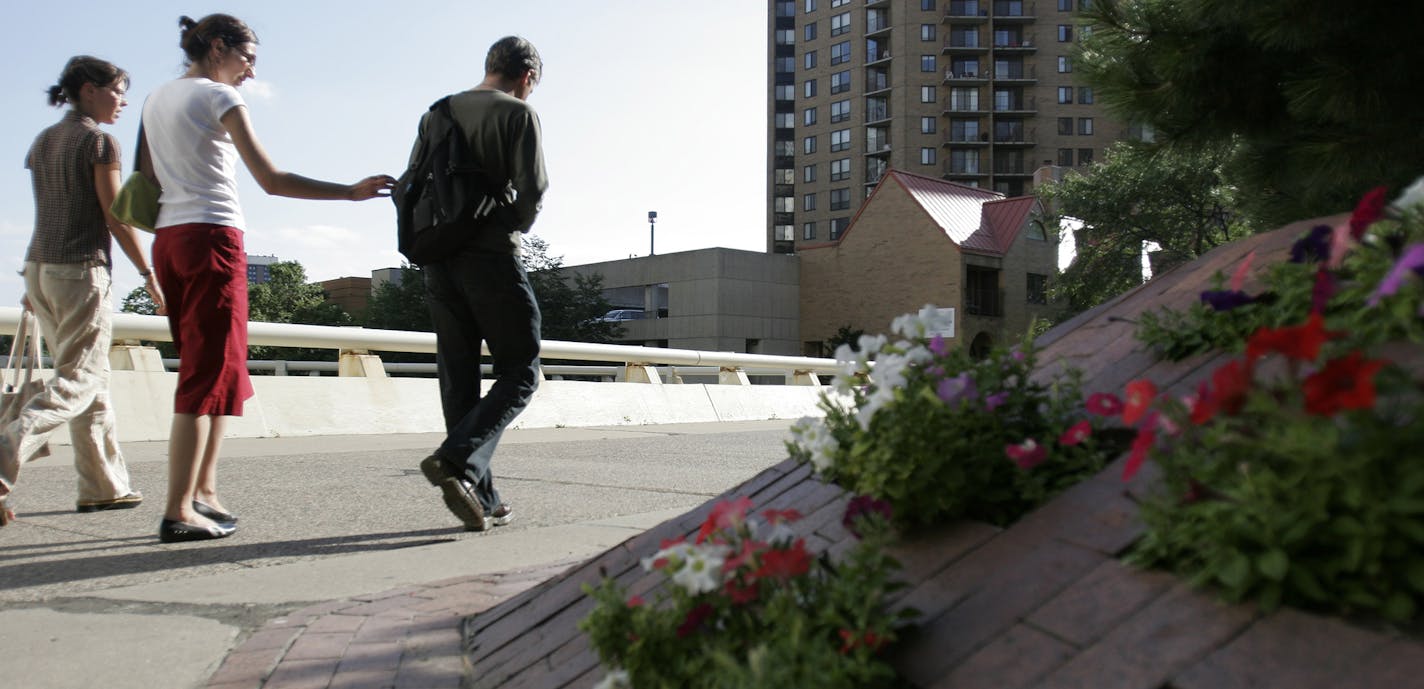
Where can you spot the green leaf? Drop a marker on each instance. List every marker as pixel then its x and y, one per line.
pixel 1302 579
pixel 1273 564
pixel 1399 607
pixel 1236 572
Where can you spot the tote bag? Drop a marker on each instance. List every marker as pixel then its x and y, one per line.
pixel 21 380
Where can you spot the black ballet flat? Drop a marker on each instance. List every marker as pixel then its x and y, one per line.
pixel 214 514
pixel 173 531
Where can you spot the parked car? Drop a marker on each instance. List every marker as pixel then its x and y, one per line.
pixel 617 315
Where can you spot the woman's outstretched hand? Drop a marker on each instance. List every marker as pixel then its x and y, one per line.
pixel 371 187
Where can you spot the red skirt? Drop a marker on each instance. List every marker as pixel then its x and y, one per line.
pixel 202 269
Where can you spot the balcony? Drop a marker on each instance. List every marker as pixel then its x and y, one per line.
pixel 1016 105
pixel 1014 11
pixel 966 77
pixel 967 139
pixel 1019 137
pixel 964 44
pixel 970 106
pixel 963 168
pixel 1027 74
pixel 1014 44
pixel 971 11
pixel 875 55
pixel 1012 168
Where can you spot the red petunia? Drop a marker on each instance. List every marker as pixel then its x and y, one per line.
pixel 694 619
pixel 1141 445
pixel 1370 209
pixel 1203 405
pixel 1140 394
pixel 635 601
pixel 1077 434
pixel 741 593
pixel 747 555
pixel 1300 342
pixel 1027 454
pixel 728 514
pixel 1104 404
pixel 1344 383
pixel 1230 382
pixel 785 563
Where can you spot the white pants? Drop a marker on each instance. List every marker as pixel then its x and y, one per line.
pixel 72 302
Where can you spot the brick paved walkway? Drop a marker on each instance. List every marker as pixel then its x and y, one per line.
pixel 407 638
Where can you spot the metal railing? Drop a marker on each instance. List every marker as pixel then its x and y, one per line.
pixel 129 326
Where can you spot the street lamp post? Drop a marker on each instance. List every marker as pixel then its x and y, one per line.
pixel 652 221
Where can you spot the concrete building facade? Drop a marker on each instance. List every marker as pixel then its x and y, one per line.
pixel 716 299
pixel 923 240
pixel 980 92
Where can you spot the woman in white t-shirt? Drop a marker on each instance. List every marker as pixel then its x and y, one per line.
pixel 196 128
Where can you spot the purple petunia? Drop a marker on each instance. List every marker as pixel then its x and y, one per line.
pixel 1226 299
pixel 862 506
pixel 958 389
pixel 938 346
pixel 1411 262
pixel 996 400
pixel 1313 247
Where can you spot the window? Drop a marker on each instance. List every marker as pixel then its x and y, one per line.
pixel 964 99
pixel 840 23
pixel 808 173
pixel 784 148
pixel 927 5
pixel 1065 64
pixel 808 32
pixel 808 144
pixel 1065 126
pixel 786 37
pixel 927 94
pixel 1065 94
pixel 1037 288
pixel 927 32
pixel 1085 125
pixel 808 202
pixel 1085 5
pixel 927 156
pixel 808 230
pixel 1065 5
pixel 810 116
pixel 927 63
pixel 810 90
pixel 964 130
pixel 839 3
pixel 1065 33
pixel 927 125
pixel 838 227
pixel 877 139
pixel 811 5
pixel 786 8
pixel 809 60
pixel 840 170
pixel 785 92
pixel 786 65
pixel 1065 157
pixel 840 111
pixel 840 52
pixel 783 204
pixel 782 233
pixel 840 82
pixel 877 108
pixel 785 120
pixel 840 199
pixel 963 161
pixel 1085 156
pixel 1085 95
pixel 840 140
pixel 783 175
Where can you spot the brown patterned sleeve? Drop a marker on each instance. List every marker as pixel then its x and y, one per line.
pixel 105 149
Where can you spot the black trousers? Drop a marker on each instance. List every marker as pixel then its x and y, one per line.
pixel 482 297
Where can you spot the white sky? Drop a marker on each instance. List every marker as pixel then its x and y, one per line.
pixel 646 105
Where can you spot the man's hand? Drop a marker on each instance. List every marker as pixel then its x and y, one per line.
pixel 150 285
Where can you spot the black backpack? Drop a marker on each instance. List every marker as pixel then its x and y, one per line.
pixel 442 199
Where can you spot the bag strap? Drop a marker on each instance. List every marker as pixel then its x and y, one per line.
pixel 25 348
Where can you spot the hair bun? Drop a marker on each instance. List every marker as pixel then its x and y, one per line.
pixel 186 23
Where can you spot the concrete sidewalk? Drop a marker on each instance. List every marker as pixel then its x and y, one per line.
pixel 338 535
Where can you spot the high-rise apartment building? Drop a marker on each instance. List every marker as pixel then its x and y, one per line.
pixel 980 92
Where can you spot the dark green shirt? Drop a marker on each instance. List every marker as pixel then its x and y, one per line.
pixel 504 136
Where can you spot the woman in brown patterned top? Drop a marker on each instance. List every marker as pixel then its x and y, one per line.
pixel 75 170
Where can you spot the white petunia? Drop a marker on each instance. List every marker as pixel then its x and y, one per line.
pixel 702 571
pixel 615 679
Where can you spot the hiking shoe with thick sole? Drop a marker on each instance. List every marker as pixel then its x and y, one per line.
pixel 459 494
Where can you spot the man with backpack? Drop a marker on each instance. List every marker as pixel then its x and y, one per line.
pixel 476 284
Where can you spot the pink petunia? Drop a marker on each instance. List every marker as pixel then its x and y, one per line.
pixel 1077 434
pixel 1027 454
pixel 1104 404
pixel 1412 262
